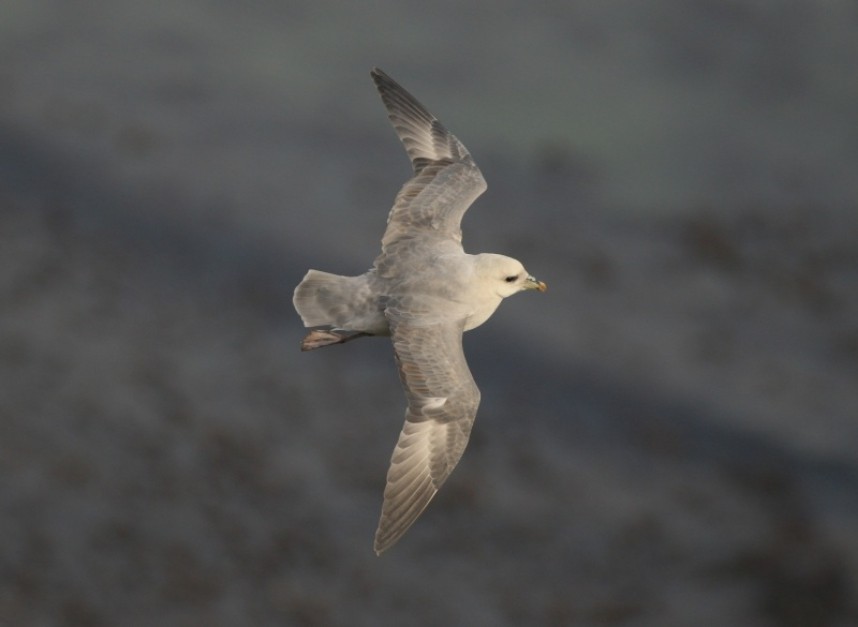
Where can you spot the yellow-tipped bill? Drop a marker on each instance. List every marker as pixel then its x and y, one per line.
pixel 533 284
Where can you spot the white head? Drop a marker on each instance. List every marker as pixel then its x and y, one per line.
pixel 505 276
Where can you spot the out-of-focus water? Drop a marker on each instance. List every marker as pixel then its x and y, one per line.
pixel 680 402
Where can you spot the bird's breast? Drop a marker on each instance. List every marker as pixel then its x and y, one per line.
pixel 482 312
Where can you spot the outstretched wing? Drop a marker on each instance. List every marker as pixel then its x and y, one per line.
pixel 442 403
pixel 446 180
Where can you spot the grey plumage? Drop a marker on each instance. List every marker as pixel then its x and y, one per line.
pixel 424 291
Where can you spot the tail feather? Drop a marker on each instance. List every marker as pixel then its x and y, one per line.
pixel 322 299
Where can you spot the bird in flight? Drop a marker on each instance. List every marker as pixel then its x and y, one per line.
pixel 423 291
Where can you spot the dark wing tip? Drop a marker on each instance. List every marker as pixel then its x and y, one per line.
pixel 383 82
pixel 425 139
pixel 399 100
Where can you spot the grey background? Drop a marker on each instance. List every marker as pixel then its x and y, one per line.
pixel 667 436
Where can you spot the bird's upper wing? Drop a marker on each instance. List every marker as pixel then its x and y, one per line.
pixel 442 403
pixel 446 180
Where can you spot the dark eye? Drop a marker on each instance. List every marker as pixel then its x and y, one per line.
pixel 511 279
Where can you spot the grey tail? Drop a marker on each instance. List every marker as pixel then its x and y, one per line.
pixel 321 299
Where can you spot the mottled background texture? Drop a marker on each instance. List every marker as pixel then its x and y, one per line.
pixel 667 437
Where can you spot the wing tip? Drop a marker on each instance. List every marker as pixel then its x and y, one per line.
pixel 397 99
pixel 395 521
pixel 381 543
pixel 381 79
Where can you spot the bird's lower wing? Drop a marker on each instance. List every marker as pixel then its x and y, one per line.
pixel 442 403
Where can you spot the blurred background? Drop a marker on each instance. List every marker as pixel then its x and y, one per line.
pixel 667 436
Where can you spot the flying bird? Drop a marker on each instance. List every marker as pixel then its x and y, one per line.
pixel 423 291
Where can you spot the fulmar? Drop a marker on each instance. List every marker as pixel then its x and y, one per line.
pixel 423 291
